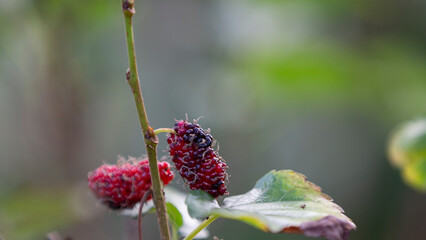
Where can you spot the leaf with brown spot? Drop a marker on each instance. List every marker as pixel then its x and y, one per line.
pixel 281 202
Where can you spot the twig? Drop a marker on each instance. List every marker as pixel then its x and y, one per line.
pixel 150 138
pixel 144 198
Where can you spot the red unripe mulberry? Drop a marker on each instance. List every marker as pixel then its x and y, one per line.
pixel 124 185
pixel 195 159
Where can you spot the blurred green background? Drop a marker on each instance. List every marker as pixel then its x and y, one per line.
pixel 313 86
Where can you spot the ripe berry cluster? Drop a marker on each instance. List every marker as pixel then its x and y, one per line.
pixel 125 185
pixel 195 159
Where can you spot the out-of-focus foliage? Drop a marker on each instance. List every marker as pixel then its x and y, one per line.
pixel 313 56
pixel 415 174
pixel 31 213
pixel 334 74
pixel 407 151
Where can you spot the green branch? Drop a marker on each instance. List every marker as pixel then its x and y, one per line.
pixel 200 227
pixel 150 137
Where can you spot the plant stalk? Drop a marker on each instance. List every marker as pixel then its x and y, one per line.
pixel 200 227
pixel 149 136
pixel 144 198
pixel 164 130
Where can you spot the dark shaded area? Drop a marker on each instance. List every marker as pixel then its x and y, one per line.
pixel 329 227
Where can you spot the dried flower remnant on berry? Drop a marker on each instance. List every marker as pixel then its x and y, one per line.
pixel 123 185
pixel 195 159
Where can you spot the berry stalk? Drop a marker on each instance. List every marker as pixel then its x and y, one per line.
pixel 145 197
pixel 200 227
pixel 150 138
pixel 164 130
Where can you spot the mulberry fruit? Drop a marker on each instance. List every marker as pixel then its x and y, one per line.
pixel 195 159
pixel 124 185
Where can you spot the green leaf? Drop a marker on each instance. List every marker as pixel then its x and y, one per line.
pixel 408 142
pixel 281 201
pixel 414 174
pixel 174 215
pixel 407 150
pixel 177 210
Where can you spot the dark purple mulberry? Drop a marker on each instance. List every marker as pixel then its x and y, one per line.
pixel 195 159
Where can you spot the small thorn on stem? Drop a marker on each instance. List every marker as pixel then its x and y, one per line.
pixel 144 198
pixel 128 75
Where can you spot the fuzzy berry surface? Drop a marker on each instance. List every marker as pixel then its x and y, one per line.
pixel 123 185
pixel 195 159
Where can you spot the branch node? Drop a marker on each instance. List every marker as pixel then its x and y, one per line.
pixel 150 135
pixel 128 7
